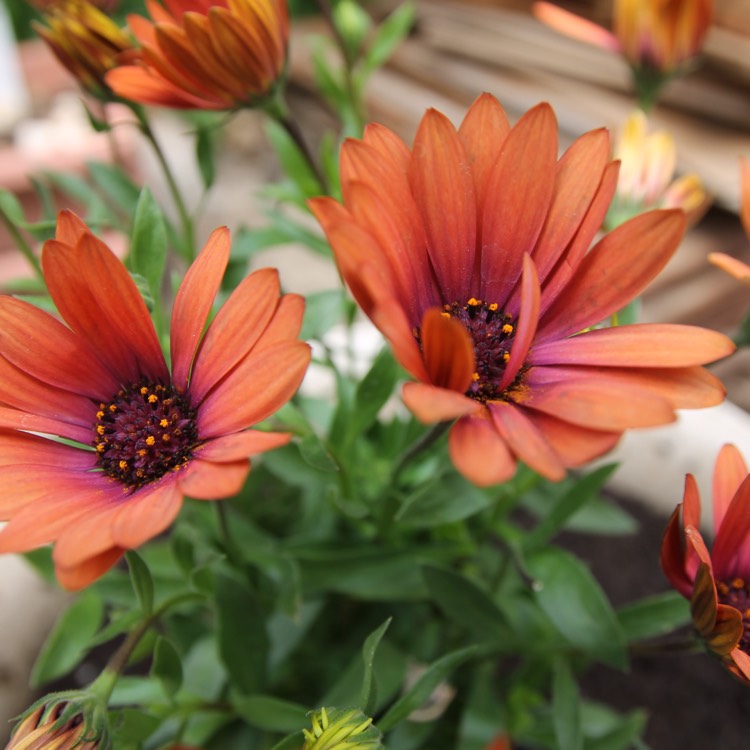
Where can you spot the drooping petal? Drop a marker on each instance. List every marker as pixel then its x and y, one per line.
pixel 238 445
pixel 206 480
pixel 729 474
pixel 614 272
pixel 447 350
pixel 638 345
pixel 443 187
pixel 727 631
pixel 478 451
pixel 431 404
pixel 192 304
pixel 80 576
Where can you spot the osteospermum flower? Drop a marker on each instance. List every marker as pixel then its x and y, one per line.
pixel 731 265
pixel 85 40
pixel 717 582
pixel 471 254
pixel 205 54
pixel 137 437
pixel 52 728
pixel 657 38
pixel 647 165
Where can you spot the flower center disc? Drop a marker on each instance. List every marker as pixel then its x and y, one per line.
pixel 492 333
pixel 145 431
pixel 736 593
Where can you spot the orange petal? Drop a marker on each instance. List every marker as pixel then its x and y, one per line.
pixel 732 266
pixel 23 448
pixel 725 635
pixel 478 451
pixel 741 664
pixel 447 350
pixel 69 227
pixel 575 26
pixel 431 404
pixel 193 303
pixel 639 345
pixel 285 324
pixel 21 420
pixel 235 330
pixel 729 473
pixel 704 602
pixel 240 445
pixel 672 556
pixel 443 188
pixel 526 441
pixel 730 551
pixel 77 578
pixel 148 512
pixel 205 480
pixel 519 191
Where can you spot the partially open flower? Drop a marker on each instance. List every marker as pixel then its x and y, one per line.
pixel 717 582
pixel 470 252
pixel 205 54
pixel 341 729
pixel 731 265
pixel 85 40
pixel 137 438
pixel 656 37
pixel 647 165
pixel 55 727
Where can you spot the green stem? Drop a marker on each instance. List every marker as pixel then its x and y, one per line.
pixel 22 245
pixel 188 232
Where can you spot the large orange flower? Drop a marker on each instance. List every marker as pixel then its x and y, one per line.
pixel 469 253
pixel 205 54
pixel 717 582
pixel 137 438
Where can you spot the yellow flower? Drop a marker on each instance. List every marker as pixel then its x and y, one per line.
pixel 341 729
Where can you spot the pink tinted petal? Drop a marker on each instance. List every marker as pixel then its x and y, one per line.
pixel 235 330
pixel 519 191
pixel 639 345
pixel 228 448
pixel 528 317
pixel 147 513
pixel 431 404
pixel 20 420
pixel 478 451
pixel 526 441
pixel 254 390
pixel 23 448
pixel 80 576
pixel 87 536
pixel 443 187
pixel 98 299
pixel 447 350
pixel 285 324
pixel 741 660
pixel 673 556
pixel 733 266
pixel 574 26
pixel 691 518
pixel 193 303
pixel 729 474
pixel 39 344
pixel 731 550
pixel 205 480
pixel 614 272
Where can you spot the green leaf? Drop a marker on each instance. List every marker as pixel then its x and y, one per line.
pixel 205 155
pixel 654 616
pixel 323 310
pixel 369 693
pixel 166 667
pixel 574 602
pixel 581 493
pixel 132 725
pixel 315 454
pixel 372 392
pixel 116 185
pixel 461 600
pixel 444 500
pixel 271 714
pixel 148 243
pixel 69 640
pixel 11 208
pixel 143 584
pixel 566 707
pixel 394 29
pixel 413 698
pixel 291 742
pixel 242 636
pixel 293 162
pixel 622 737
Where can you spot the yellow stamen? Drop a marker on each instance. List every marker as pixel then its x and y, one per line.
pixel 144 390
pixel 164 423
pixel 100 447
pixel 475 376
pixel 165 437
pixel 738 583
pixel 100 429
pixel 99 414
pixel 474 302
pixel 507 328
pixel 492 307
pixel 123 465
pixel 141 452
pixel 506 356
pixel 153 399
pixel 150 440
pixel 446 315
pixel 112 407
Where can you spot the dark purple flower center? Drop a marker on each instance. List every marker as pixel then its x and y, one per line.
pixel 736 593
pixel 492 332
pixel 145 431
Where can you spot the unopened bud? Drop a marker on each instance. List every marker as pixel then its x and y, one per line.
pixel 341 729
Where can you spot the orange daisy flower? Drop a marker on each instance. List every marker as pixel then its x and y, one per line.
pixel 137 439
pixel 717 582
pixel 46 728
pixel 469 253
pixel 205 54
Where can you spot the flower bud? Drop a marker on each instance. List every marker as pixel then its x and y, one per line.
pixel 341 729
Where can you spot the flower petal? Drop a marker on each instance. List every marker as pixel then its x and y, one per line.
pixel 704 603
pixel 80 576
pixel 23 448
pixel 729 474
pixel 447 350
pixel 431 404
pixel 206 480
pixel 148 512
pixel 478 451
pixel 193 302
pixel 731 551
pixel 238 445
pixel 20 420
pixel 672 556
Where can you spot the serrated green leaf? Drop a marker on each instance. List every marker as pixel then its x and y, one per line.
pixel 435 673
pixel 166 667
pixel 143 584
pixel 576 605
pixel 446 499
pixel 368 694
pixel 566 707
pixel 148 243
pixel 271 714
pixel 242 636
pixel 70 639
pixel 654 616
